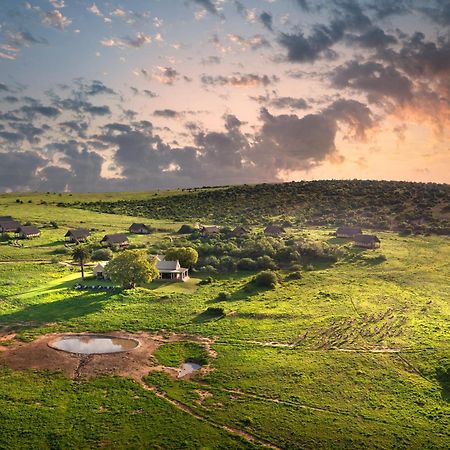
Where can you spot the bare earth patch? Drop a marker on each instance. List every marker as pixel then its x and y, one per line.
pixel 134 364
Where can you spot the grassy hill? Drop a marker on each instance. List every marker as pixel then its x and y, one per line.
pixel 353 353
pixel 408 207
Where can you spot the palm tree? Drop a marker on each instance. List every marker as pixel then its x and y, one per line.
pixel 81 254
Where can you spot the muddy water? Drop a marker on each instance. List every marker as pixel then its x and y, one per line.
pixel 93 345
pixel 188 368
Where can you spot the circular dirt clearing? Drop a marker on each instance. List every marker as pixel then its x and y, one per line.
pixel 85 344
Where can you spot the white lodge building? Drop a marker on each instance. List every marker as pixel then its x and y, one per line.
pixel 170 270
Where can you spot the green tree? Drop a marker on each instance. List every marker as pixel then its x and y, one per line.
pixel 82 254
pixel 132 267
pixel 187 256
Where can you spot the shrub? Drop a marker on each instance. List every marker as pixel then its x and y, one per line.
pixel 102 254
pixel 186 229
pixel 267 279
pixel 297 275
pixel 208 269
pixel 54 224
pixel 223 295
pixel 246 264
pixel 208 280
pixel 266 262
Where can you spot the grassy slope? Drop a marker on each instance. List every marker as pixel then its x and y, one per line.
pixel 295 397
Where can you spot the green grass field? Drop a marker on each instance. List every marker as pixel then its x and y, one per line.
pixel 354 354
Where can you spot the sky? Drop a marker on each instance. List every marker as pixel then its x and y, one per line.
pixel 140 95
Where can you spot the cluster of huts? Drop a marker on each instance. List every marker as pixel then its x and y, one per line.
pixel 9 225
pixel 359 239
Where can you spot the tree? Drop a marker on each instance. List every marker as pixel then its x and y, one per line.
pixel 187 256
pixel 132 267
pixel 82 254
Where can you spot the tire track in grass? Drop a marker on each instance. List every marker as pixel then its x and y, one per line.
pixel 188 410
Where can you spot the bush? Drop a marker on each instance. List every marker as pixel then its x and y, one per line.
pixel 266 262
pixel 208 280
pixel 297 275
pixel 102 254
pixel 208 269
pixel 223 295
pixel 246 264
pixel 186 229
pixel 54 224
pixel 267 279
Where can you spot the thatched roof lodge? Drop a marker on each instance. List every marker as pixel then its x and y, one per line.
pixel 273 230
pixel 139 228
pixel 77 235
pixel 239 231
pixel 209 230
pixel 29 231
pixel 348 232
pixel 9 226
pixel 366 241
pixel 6 218
pixel 110 240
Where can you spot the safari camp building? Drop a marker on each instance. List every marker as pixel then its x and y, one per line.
pixel 77 235
pixel 139 228
pixel 366 241
pixel 171 270
pixel 273 230
pixel 111 240
pixel 9 226
pixel 28 232
pixel 348 232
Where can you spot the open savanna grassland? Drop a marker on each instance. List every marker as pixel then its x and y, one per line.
pixel 353 354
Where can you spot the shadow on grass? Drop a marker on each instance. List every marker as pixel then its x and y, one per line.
pixel 33 316
pixel 209 315
pixel 244 293
pixel 443 377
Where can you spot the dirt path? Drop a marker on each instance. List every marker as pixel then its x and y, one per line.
pixel 188 410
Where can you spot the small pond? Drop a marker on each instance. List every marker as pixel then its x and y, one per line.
pixel 93 344
pixel 187 368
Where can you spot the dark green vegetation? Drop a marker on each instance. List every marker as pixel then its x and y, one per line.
pixel 350 350
pixel 406 207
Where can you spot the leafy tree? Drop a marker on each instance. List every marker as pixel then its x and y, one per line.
pixel 187 256
pixel 132 267
pixel 102 254
pixel 82 254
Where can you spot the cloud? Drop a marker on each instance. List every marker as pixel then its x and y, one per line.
pixel 239 80
pixel 18 170
pixel 94 9
pixel 207 5
pixel 373 78
pixel 168 113
pixel 289 102
pixel 138 41
pixel 56 19
pixel 254 42
pixel 266 19
pixel 164 75
pixel 210 60
pixel 316 46
pixel 373 38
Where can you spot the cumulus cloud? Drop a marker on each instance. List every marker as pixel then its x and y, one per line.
pixel 137 41
pixel 239 80
pixel 56 19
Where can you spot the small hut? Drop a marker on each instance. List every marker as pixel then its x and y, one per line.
pixel 348 232
pixel 99 270
pixel 171 270
pixel 273 230
pixel 239 231
pixel 139 228
pixel 209 230
pixel 77 235
pixel 28 232
pixel 366 241
pixel 111 240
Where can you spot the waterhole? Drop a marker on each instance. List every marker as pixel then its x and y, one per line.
pixel 93 344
